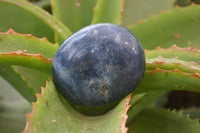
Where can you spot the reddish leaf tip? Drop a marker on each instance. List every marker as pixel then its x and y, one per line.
pixel 33 109
pixel 162 11
pixel 197 75
pixel 191 49
pixel 123 128
pixel 12 32
pixel 197 89
pixel 25 53
pixel 77 4
pixel 28 119
pixel 140 22
pixel 176 6
pixel 193 3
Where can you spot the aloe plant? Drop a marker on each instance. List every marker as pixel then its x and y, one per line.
pixel 30 36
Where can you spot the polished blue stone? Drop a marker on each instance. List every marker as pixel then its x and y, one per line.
pixel 99 64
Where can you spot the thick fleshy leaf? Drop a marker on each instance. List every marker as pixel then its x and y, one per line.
pixel 172 64
pixel 41 3
pixel 183 2
pixel 26 43
pixel 27 60
pixel 25 17
pixel 15 79
pixel 35 78
pixel 136 10
pixel 52 113
pixel 75 14
pixel 141 101
pixel 180 27
pixel 162 121
pixel 23 49
pixel 159 79
pixel 13 108
pixel 108 11
pixel 193 113
pixel 186 54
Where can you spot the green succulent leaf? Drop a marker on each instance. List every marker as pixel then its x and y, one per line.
pixel 172 64
pixel 186 54
pixel 140 101
pixel 34 19
pixel 193 113
pixel 183 2
pixel 165 121
pixel 179 26
pixel 52 113
pixel 23 49
pixel 159 79
pixel 26 43
pixel 15 79
pixel 35 78
pixel 41 3
pixel 75 14
pixel 137 10
pixel 27 60
pixel 108 11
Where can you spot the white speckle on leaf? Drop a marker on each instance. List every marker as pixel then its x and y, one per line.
pixel 53 121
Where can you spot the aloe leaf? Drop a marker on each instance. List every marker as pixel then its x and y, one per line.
pixel 186 54
pixel 23 49
pixel 180 27
pixel 108 11
pixel 13 42
pixel 75 14
pixel 41 3
pixel 193 113
pixel 172 64
pixel 13 108
pixel 165 121
pixel 141 101
pixel 51 114
pixel 158 79
pixel 9 74
pixel 35 20
pixel 28 60
pixel 35 78
pixel 136 10
pixel 183 2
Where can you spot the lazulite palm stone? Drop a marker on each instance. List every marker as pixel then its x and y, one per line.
pixel 99 64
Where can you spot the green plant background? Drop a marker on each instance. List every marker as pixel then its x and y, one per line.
pixel 32 31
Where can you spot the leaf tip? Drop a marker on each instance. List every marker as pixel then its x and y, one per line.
pixel 123 128
pixel 176 6
pixel 27 127
pixel 10 31
pixel 140 22
pixel 192 3
pixel 162 11
pixel 77 4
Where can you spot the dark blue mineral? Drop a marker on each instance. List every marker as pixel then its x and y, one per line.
pixel 99 64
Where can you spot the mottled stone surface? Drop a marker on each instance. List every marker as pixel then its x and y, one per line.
pixel 99 64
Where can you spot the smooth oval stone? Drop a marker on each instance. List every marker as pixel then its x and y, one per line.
pixel 99 64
